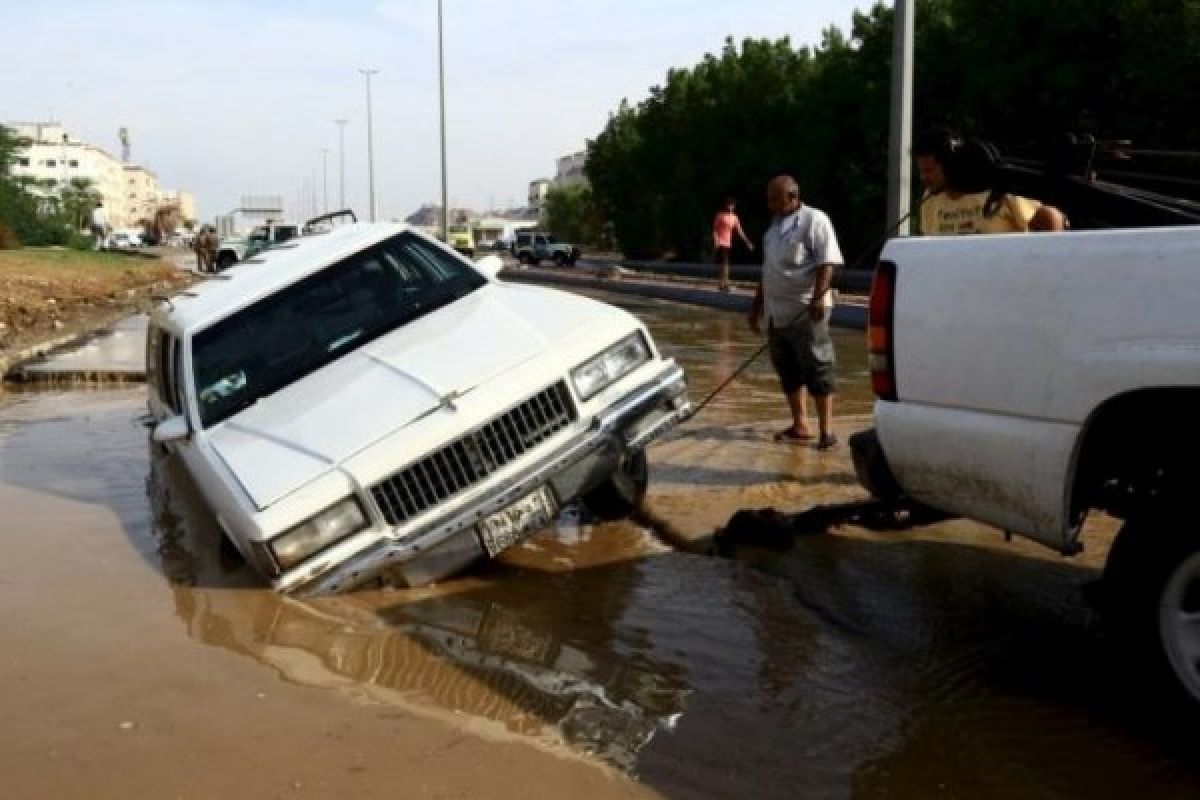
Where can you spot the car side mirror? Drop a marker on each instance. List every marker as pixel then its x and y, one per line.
pixel 490 265
pixel 171 429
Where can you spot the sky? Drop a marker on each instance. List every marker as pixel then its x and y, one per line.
pixel 226 99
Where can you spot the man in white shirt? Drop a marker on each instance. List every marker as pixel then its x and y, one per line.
pixel 795 295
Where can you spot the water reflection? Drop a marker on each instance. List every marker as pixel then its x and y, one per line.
pixel 534 654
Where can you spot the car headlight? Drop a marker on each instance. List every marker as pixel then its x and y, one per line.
pixel 599 372
pixel 315 534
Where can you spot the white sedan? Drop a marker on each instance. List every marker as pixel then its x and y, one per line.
pixel 367 400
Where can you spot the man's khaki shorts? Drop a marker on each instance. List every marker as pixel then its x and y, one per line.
pixel 802 354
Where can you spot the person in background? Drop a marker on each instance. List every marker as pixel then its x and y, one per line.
pixel 198 247
pixel 725 224
pixel 800 252
pixel 963 191
pixel 209 243
pixel 99 226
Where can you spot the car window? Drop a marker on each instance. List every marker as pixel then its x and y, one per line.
pixel 540 240
pixel 278 340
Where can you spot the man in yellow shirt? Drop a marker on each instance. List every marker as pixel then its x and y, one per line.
pixel 950 209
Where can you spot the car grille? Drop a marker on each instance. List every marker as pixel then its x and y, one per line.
pixel 466 461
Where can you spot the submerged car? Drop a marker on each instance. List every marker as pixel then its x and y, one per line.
pixel 373 402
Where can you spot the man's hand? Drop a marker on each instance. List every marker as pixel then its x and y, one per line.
pixel 816 311
pixel 755 319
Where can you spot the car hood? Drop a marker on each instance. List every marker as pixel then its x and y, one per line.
pixel 294 436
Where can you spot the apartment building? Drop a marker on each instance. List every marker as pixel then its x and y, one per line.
pixel 130 193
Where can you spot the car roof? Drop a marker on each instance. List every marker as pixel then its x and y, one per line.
pixel 266 273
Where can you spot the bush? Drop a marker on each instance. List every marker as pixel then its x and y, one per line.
pixel 8 238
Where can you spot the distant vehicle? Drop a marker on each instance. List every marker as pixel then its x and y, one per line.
pixel 374 401
pixel 461 239
pixel 124 240
pixel 235 248
pixel 533 247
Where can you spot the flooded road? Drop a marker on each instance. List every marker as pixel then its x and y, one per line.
pixel 142 659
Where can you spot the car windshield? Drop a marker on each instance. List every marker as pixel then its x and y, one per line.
pixel 258 235
pixel 280 339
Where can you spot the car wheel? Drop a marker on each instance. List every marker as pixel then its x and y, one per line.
pixel 1151 600
pixel 226 260
pixel 560 259
pixel 622 493
pixel 523 258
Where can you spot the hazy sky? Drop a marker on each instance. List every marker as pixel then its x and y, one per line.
pixel 226 98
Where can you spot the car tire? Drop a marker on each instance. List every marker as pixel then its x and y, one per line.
pixel 1151 602
pixel 523 258
pixel 226 260
pixel 560 259
pixel 622 493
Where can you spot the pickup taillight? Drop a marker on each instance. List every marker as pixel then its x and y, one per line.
pixel 881 356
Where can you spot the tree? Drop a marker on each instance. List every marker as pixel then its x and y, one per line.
pixel 77 200
pixel 570 213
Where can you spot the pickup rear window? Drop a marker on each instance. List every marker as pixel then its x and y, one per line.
pixel 280 339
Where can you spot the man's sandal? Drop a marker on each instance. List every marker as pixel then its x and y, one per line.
pixel 790 435
pixel 827 442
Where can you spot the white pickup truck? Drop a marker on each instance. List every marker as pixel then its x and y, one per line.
pixel 1025 380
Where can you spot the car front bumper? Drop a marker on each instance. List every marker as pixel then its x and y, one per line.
pixel 449 543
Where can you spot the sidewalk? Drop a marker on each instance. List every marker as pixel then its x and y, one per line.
pixel 851 310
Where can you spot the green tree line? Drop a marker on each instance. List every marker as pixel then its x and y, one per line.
pixel 36 212
pixel 1018 73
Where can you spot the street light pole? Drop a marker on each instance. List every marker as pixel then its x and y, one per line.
pixel 899 163
pixel 324 180
pixel 341 123
pixel 367 73
pixel 442 107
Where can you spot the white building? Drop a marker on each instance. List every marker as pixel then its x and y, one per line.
pixel 570 170
pixel 130 193
pixel 537 193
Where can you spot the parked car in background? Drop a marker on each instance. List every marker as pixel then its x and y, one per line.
pixel 533 247
pixel 376 402
pixel 233 249
pixel 123 240
pixel 462 239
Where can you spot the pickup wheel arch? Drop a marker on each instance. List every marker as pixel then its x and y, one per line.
pixel 1136 452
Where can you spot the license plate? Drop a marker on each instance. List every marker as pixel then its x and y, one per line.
pixel 510 525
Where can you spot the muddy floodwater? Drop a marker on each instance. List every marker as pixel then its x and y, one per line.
pixel 139 658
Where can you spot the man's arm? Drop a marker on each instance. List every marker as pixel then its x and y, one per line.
pixel 822 284
pixel 1048 218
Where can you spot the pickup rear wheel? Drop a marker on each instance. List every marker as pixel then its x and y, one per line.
pixel 1152 598
pixel 560 259
pixel 621 494
pixel 226 260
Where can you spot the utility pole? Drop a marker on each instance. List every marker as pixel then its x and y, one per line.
pixel 367 73
pixel 442 107
pixel 324 180
pixel 341 123
pixel 900 142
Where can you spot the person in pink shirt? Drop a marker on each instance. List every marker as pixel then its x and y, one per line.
pixel 725 223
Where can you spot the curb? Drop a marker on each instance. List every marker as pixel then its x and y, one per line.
pixel 844 316
pixel 10 363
